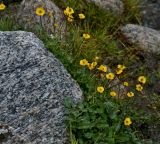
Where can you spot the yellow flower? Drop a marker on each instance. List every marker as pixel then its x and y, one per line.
pixel 119 71
pixel 81 16
pixel 122 67
pixel 55 25
pixel 100 89
pixel 125 84
pixel 83 62
pixel 130 94
pixel 86 36
pixel 50 14
pixel 102 68
pixel 2 6
pixel 96 58
pixel 139 87
pixel 113 93
pixel 70 16
pixel 110 76
pixel 127 121
pixel 68 11
pixel 142 79
pixel 102 75
pixel 65 12
pixel 92 65
pixel 69 19
pixel 40 11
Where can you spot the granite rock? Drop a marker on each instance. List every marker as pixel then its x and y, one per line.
pixel 33 87
pixel 53 21
pixel 150 10
pixel 146 38
pixel 115 6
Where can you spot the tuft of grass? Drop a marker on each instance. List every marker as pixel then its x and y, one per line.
pixel 6 24
pixel 132 11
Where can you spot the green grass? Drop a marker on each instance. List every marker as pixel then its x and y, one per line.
pixel 99 119
pixel 6 24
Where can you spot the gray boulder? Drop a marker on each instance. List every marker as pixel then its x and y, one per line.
pixel 33 87
pixel 146 38
pixel 115 6
pixel 150 10
pixel 53 21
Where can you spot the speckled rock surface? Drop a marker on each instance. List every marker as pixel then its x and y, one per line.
pixel 150 10
pixel 33 86
pixel 115 6
pixel 146 38
pixel 53 21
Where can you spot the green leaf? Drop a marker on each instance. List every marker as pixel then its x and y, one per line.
pixel 88 135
